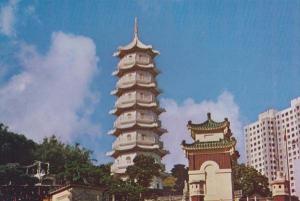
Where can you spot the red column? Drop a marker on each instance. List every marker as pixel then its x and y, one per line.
pixel 197 198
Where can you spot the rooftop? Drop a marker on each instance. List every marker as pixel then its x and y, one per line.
pixel 135 44
pixel 209 126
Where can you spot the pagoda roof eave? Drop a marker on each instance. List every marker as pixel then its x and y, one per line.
pixel 116 153
pixel 209 126
pixel 119 91
pixel 154 107
pixel 221 144
pixel 151 67
pixel 135 44
pixel 117 131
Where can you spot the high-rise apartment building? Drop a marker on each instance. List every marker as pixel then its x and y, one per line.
pixel 273 144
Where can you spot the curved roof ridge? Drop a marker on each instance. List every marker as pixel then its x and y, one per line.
pixel 135 43
pixel 209 124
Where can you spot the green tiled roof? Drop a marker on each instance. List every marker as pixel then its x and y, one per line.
pixel 197 145
pixel 208 125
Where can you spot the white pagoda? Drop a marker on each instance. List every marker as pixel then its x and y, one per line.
pixel 137 127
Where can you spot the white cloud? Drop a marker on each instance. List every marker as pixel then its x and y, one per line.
pixel 176 117
pixel 51 95
pixel 8 18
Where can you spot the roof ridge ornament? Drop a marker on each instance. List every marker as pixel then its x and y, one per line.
pixel 136 30
pixel 135 43
pixel 209 116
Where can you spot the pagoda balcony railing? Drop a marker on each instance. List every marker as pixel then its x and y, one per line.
pixel 136 117
pixel 145 142
pixel 135 79
pixel 134 59
pixel 119 124
pixel 135 98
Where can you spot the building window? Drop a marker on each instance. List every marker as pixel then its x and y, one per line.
pixel 143 136
pixel 129 137
pixel 128 159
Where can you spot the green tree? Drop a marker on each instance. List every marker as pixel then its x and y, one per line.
pixel 180 172
pixel 125 190
pixel 169 183
pixel 70 163
pixel 250 181
pixel 15 151
pixel 15 148
pixel 15 175
pixel 53 151
pixel 143 170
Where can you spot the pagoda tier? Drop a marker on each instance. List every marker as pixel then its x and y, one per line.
pixel 137 125
pixel 123 161
pixel 137 100
pixel 133 62
pixel 154 148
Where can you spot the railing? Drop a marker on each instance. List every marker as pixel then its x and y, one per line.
pixel 136 78
pixel 135 98
pixel 152 118
pixel 124 143
pixel 135 58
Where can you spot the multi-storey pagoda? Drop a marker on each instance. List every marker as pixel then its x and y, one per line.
pixel 210 159
pixel 137 127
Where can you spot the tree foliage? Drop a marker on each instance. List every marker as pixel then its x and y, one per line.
pixel 250 181
pixel 15 148
pixel 70 163
pixel 180 172
pixel 143 170
pixel 169 183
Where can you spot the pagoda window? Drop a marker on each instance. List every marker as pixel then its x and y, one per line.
pixel 128 159
pixel 143 137
pixel 128 137
pixel 142 115
pixel 129 95
pixel 142 76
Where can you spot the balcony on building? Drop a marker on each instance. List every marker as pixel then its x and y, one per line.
pixel 139 58
pixel 142 117
pixel 142 78
pixel 141 97
pixel 145 139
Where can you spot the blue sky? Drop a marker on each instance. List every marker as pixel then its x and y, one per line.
pixel 243 52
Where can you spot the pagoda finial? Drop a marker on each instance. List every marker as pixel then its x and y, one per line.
pixel 135 27
pixel 208 116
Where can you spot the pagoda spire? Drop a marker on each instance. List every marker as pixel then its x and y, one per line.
pixel 136 30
